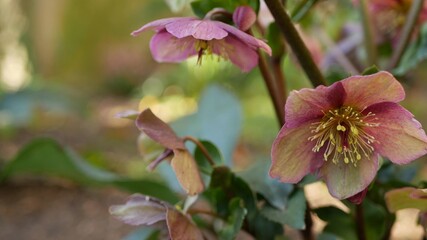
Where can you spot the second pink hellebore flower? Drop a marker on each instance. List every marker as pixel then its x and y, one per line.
pixel 180 38
pixel 338 132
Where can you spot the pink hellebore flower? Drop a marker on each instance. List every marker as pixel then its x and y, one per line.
pixel 338 132
pixel 390 15
pixel 179 38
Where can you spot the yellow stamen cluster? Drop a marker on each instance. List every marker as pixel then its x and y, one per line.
pixel 342 133
pixel 205 48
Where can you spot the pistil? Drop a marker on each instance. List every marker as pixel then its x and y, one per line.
pixel 341 135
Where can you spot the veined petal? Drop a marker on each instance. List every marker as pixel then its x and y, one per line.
pixel 181 227
pixel 139 210
pixel 167 48
pixel 186 171
pixel 246 38
pixel 375 88
pixel 292 158
pixel 199 29
pixel 346 180
pixel 244 17
pixel 237 52
pixel 159 24
pixel 399 136
pixel 308 104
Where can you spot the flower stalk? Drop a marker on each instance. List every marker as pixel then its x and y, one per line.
pixel 360 222
pixel 368 33
pixel 272 89
pixel 202 148
pixel 295 42
pixel 407 32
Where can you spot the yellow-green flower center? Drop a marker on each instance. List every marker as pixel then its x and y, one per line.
pixel 205 48
pixel 341 136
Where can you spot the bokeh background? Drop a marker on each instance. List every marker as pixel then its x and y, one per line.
pixel 67 67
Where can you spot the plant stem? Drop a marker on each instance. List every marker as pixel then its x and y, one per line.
pixel 201 147
pixel 368 33
pixel 360 222
pixel 295 42
pixel 407 31
pixel 307 233
pixel 272 89
pixel 280 79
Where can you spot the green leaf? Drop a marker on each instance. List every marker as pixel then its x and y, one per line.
pixel 293 215
pixel 218 120
pixel 145 233
pixel 201 7
pixel 275 192
pixel 225 186
pixel 47 157
pixel 235 219
pixel 370 70
pixel 201 159
pixel 339 223
pixel 375 219
pixel 414 54
pixel 302 9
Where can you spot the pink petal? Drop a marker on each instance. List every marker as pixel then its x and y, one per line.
pixel 181 227
pixel 244 37
pixel 307 104
pixel 167 48
pixel 346 180
pixel 364 91
pixel 400 137
pixel 244 17
pixel 199 29
pixel 237 52
pixel 139 210
pixel 158 130
pixel 158 24
pixel 292 155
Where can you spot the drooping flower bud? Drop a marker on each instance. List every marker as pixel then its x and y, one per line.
pixel 244 17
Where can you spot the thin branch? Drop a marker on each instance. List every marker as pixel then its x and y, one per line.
pixel 280 79
pixel 295 42
pixel 272 89
pixel 368 33
pixel 201 147
pixel 407 32
pixel 307 233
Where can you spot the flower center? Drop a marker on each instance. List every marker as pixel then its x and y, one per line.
pixel 342 131
pixel 203 47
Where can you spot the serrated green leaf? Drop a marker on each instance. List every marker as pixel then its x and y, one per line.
pixel 274 191
pixel 293 215
pixel 225 186
pixel 235 219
